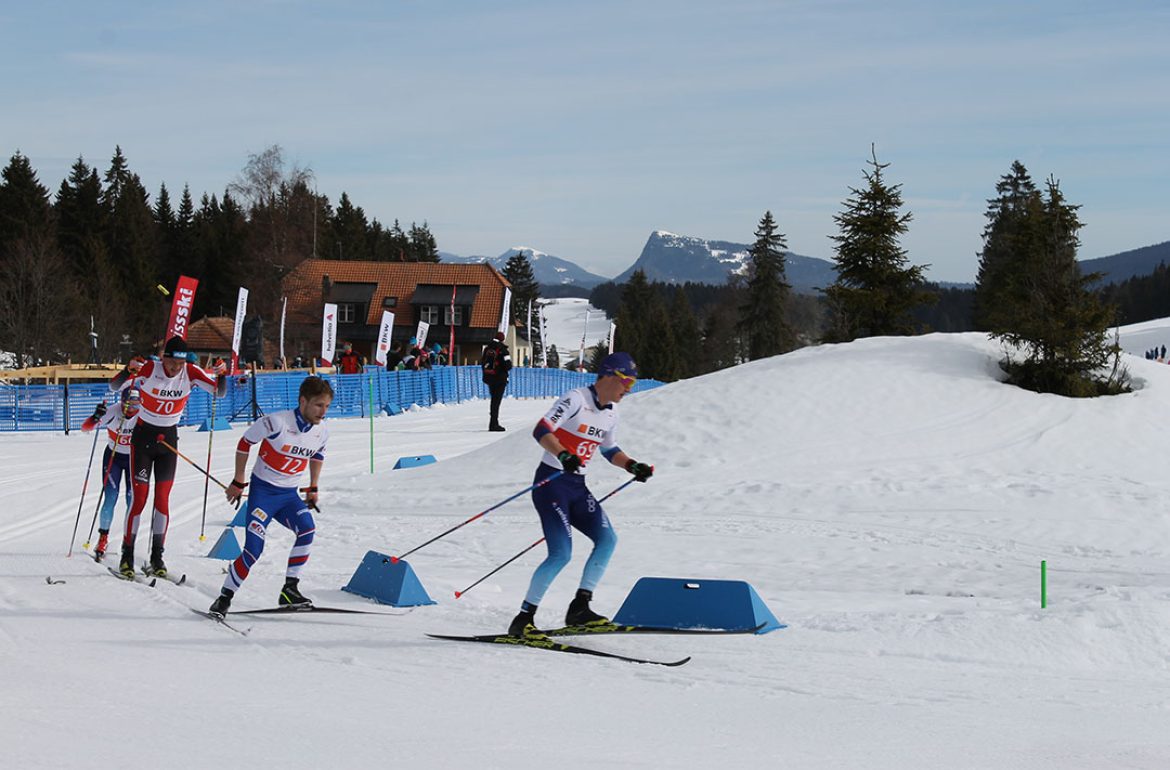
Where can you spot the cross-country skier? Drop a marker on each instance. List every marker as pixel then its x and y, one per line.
pixel 581 423
pixel 290 441
pixel 164 387
pixel 119 422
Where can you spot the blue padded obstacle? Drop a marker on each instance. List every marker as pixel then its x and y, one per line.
pixel 414 462
pixel 221 423
pixel 227 547
pixel 729 605
pixel 392 409
pixel 241 519
pixel 387 582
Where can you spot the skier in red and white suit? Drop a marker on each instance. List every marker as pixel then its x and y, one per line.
pixel 164 387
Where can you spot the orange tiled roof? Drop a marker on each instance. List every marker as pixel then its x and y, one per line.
pixel 211 333
pixel 394 279
pixel 214 333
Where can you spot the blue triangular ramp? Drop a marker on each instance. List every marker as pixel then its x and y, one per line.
pixel 220 423
pixel 392 409
pixel 414 462
pixel 693 603
pixel 226 548
pixel 380 578
pixel 241 519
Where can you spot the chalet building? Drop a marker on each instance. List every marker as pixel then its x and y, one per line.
pixel 413 291
pixel 211 337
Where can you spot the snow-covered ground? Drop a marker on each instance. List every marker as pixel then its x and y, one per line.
pixel 565 325
pixel 888 499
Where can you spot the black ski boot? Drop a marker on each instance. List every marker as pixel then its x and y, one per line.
pixel 524 624
pixel 579 613
pixel 290 596
pixel 157 567
pixel 220 606
pixel 126 566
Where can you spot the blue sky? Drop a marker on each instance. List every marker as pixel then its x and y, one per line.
pixel 578 128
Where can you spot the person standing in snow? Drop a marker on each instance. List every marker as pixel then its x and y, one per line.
pixel 290 442
pixel 496 363
pixel 581 423
pixel 119 421
pixel 164 388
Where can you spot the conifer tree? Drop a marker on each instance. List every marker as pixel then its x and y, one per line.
pixel 1035 299
pixel 166 222
pixel 222 237
pixel 35 296
pixel 81 224
pixel 81 233
pixel 1005 246
pixel 132 243
pixel 186 252
pixel 423 247
pixel 594 355
pixel 350 232
pixel 876 289
pixel 644 330
pixel 525 289
pixel 686 336
pixel 763 318
pixel 24 202
pixel 399 243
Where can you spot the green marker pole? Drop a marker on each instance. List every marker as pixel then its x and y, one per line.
pixel 1043 584
pixel 371 382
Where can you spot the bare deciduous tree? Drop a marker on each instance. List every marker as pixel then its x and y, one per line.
pixel 36 301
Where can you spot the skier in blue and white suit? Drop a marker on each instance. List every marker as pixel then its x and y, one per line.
pixel 581 423
pixel 290 441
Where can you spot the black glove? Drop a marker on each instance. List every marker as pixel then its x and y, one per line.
pixel 569 461
pixel 641 471
pixel 99 411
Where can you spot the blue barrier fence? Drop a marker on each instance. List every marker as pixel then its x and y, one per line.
pixel 65 407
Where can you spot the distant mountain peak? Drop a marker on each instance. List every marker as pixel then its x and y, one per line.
pixel 527 250
pixel 674 258
pixel 548 269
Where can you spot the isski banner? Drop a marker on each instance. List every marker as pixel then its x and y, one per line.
pixel 184 298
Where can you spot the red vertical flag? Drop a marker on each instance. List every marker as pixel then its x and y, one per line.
pixel 181 305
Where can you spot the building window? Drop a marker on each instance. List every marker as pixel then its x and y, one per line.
pixel 429 313
pixel 390 302
pixel 346 313
pixel 453 320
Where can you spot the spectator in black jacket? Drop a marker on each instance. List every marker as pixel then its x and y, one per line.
pixel 496 362
pixel 394 356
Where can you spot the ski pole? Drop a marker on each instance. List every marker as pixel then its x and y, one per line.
pixel 210 434
pixel 395 559
pixel 81 502
pixel 192 463
pixel 529 548
pixel 105 480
